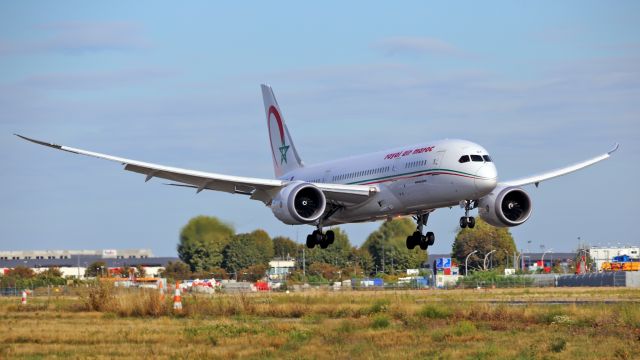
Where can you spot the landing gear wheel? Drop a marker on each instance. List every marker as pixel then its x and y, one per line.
pixel 413 240
pixel 417 239
pixel 471 222
pixel 430 238
pixel 330 237
pixel 463 222
pixel 311 241
pixel 410 242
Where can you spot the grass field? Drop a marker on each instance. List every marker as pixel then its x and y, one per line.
pixel 455 324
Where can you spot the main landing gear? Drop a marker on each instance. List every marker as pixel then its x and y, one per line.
pixel 417 239
pixel 466 220
pixel 319 238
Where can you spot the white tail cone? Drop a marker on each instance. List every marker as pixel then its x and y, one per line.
pixel 24 297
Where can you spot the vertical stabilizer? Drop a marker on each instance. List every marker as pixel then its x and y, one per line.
pixel 285 156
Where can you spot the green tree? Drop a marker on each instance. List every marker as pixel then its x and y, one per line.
pixel 363 260
pixel 264 244
pixel 324 270
pixel 484 238
pixel 96 268
pixel 337 254
pixel 176 270
pixel 21 272
pixel 141 271
pixel 387 246
pixel 202 241
pixel 243 251
pixel 253 273
pixel 284 247
pixel 52 272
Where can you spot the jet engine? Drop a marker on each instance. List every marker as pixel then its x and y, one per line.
pixel 505 207
pixel 299 203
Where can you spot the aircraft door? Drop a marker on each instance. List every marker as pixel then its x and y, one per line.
pixel 437 160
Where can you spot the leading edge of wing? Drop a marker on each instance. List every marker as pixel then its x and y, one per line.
pixel 338 192
pixel 156 167
pixel 560 172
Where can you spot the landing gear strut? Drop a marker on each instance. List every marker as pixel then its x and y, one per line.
pixel 466 220
pixel 317 237
pixel 417 239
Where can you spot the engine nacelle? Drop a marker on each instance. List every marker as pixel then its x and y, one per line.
pixel 505 207
pixel 299 203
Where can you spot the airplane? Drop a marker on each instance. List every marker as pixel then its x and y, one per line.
pixel 412 180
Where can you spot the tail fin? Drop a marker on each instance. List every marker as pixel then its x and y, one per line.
pixel 285 156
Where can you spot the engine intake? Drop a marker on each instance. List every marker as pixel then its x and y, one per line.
pixel 505 207
pixel 299 203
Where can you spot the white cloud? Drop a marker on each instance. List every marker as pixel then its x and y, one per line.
pixel 401 45
pixel 93 80
pixel 76 38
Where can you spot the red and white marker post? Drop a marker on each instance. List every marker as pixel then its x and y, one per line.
pixel 177 300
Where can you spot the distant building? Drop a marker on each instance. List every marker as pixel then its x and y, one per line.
pixel 279 269
pixel 606 254
pixel 65 254
pixel 73 263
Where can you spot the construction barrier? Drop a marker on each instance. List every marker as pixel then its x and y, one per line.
pixel 177 300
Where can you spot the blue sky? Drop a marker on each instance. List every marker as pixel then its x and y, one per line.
pixel 540 85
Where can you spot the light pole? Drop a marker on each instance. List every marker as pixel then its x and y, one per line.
pixel 484 263
pixel 466 262
pixel 518 262
pixel 506 258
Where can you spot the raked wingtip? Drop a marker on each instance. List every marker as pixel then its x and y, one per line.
pixel 615 148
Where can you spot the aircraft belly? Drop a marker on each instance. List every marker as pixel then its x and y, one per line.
pixel 409 196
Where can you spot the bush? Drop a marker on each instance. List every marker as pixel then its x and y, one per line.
pixel 380 305
pixel 558 345
pixel 432 311
pixel 493 277
pixel 464 328
pixel 380 322
pixel 104 297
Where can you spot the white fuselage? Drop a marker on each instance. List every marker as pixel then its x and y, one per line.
pixel 411 179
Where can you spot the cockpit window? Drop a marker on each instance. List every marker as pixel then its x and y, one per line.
pixel 476 158
pixel 486 158
pixel 464 159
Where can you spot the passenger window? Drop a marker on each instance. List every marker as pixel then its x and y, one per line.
pixel 486 158
pixel 464 159
pixel 476 158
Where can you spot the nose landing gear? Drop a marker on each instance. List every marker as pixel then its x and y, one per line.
pixel 417 239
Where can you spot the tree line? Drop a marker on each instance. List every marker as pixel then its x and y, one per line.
pixel 210 247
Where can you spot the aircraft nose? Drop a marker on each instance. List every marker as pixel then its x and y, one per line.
pixel 487 178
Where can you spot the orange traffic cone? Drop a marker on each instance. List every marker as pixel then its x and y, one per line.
pixel 24 297
pixel 177 300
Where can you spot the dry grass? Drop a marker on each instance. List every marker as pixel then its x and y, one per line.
pixel 419 324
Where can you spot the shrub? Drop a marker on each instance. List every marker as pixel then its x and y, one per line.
pixel 432 311
pixel 380 322
pixel 464 328
pixel 379 306
pixel 558 345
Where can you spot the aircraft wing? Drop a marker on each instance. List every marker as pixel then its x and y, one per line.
pixel 257 188
pixel 536 179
